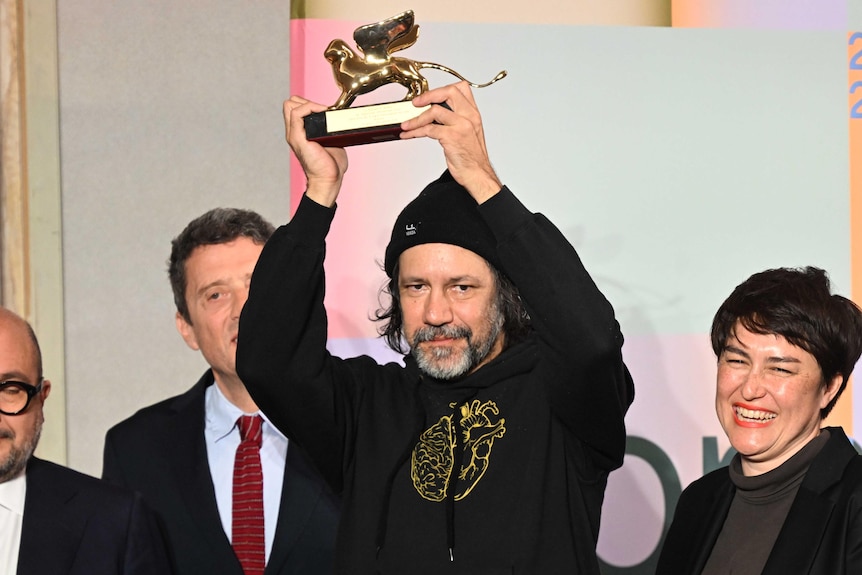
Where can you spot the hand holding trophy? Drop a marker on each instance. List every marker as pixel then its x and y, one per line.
pixel 358 74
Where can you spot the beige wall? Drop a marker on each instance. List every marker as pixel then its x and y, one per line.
pixel 167 109
pixel 31 256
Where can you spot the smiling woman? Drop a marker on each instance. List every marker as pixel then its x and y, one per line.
pixel 790 500
pixel 769 398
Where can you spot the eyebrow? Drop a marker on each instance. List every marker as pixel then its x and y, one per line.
pixel 219 282
pixel 204 288
pixel 451 280
pixel 15 375
pixel 771 359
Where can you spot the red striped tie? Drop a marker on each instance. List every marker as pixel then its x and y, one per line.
pixel 248 540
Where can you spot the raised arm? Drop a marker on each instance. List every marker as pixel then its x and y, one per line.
pixel 588 385
pixel 458 128
pixel 324 167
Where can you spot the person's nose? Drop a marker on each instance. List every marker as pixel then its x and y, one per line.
pixel 239 299
pixel 752 386
pixel 438 310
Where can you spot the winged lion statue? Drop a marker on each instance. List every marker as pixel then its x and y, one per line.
pixel 361 73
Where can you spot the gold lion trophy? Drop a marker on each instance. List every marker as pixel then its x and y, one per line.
pixel 357 74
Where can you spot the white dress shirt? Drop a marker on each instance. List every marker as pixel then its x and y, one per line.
pixel 12 494
pixel 222 439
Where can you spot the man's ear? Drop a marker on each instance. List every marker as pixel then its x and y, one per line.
pixel 187 332
pixel 46 390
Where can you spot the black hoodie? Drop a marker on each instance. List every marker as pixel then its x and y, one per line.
pixel 536 430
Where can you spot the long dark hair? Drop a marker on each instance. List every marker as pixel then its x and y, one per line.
pixel 516 320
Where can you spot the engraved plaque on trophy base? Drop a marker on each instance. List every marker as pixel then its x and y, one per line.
pixel 359 125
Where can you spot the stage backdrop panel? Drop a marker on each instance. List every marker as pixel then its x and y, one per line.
pixel 678 161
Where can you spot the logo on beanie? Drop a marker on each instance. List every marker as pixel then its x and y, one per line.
pixel 410 230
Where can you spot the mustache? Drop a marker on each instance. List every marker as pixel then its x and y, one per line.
pixel 430 333
pixel 7 434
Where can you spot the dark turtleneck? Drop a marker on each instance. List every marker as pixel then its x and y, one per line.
pixel 758 511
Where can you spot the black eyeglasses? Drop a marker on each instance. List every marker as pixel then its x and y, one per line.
pixel 15 396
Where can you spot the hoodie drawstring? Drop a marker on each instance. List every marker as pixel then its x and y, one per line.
pixel 451 487
pixel 452 481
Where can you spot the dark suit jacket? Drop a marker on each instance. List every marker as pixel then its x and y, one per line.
pixel 75 524
pixel 160 452
pixel 822 534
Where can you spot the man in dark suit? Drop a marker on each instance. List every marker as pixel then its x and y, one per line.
pixel 180 453
pixel 54 520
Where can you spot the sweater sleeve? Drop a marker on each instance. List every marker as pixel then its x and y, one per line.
pixel 281 349
pixel 588 385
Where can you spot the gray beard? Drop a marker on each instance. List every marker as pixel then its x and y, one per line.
pixel 449 363
pixel 16 462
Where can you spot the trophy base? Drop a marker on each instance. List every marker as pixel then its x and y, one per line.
pixel 359 125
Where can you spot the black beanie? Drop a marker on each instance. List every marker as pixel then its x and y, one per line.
pixel 444 213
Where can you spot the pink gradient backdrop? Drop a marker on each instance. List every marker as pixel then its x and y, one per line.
pixel 674 372
pixel 761 14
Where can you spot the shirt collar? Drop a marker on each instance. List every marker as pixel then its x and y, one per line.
pixel 221 414
pixel 12 494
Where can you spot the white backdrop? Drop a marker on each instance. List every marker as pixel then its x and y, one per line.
pixel 676 161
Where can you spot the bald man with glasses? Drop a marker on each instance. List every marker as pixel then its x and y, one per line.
pixel 54 520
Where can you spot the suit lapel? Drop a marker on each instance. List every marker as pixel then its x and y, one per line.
pixel 300 494
pixel 799 538
pixel 714 515
pixel 45 520
pixel 186 450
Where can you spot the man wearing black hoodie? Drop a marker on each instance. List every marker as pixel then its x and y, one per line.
pixel 489 450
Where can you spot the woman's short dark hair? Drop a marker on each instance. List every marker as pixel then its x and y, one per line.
pixel 516 320
pixel 797 304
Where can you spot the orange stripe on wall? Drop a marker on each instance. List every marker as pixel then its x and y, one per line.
pixel 688 14
pixel 844 409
